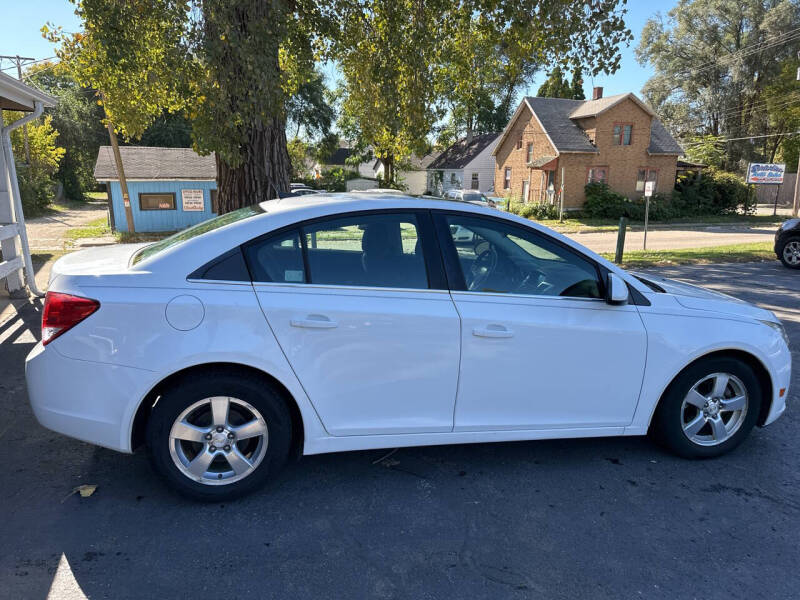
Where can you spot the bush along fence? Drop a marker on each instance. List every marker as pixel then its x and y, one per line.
pixel 715 193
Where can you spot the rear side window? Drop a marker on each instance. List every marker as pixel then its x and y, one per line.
pixel 378 250
pixel 277 259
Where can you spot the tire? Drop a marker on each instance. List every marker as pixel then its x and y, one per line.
pixel 187 422
pixel 680 411
pixel 782 251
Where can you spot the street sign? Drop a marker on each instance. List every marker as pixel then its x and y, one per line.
pixel 765 173
pixel 649 187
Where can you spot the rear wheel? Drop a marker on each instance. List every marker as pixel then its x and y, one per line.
pixel 219 436
pixel 788 252
pixel 709 409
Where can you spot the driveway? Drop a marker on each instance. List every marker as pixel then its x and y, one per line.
pixel 601 518
pixel 48 232
pixel 676 237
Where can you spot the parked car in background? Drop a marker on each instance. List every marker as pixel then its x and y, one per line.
pixel 787 243
pixel 359 321
pixel 471 196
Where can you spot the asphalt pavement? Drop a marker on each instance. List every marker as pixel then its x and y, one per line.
pixel 597 518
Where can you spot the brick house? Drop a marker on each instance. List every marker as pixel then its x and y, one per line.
pixel 617 140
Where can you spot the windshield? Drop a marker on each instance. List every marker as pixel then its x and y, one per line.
pixel 195 230
pixel 474 196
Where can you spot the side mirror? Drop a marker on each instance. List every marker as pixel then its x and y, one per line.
pixel 617 290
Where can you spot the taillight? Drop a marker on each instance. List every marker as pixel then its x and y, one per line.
pixel 62 312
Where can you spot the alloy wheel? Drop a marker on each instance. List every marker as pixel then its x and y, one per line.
pixel 218 440
pixel 791 253
pixel 714 409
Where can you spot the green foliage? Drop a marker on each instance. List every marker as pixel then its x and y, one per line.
pixel 535 211
pixel 331 180
pixel 78 120
pixel 577 84
pixel 705 149
pixel 310 109
pixel 169 130
pixel 555 86
pixel 715 193
pixel 298 157
pixel 36 180
pixel 708 78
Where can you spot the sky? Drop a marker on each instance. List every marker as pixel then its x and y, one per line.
pixel 21 21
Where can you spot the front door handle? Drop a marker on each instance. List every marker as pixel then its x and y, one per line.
pixel 314 322
pixel 493 331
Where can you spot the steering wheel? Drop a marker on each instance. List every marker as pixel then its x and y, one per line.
pixel 483 266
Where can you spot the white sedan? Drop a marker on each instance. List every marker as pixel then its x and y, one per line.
pixel 355 321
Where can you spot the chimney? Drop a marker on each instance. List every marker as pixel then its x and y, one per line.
pixel 597 93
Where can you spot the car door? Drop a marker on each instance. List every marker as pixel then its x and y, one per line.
pixel 359 306
pixel 541 349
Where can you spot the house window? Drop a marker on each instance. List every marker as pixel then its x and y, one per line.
pixel 453 179
pixel 164 201
pixel 597 175
pixel 623 132
pixel 476 182
pixel 507 179
pixel 519 144
pixel 530 153
pixel 644 175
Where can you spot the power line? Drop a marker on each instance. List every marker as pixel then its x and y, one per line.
pixel 29 61
pixel 749 137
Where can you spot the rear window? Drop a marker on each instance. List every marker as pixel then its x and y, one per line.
pixel 195 230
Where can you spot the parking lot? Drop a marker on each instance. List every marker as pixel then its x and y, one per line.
pixel 601 518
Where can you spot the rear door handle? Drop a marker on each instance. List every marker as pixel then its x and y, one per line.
pixel 493 331
pixel 314 322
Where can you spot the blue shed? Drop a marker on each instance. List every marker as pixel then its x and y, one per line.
pixel 169 188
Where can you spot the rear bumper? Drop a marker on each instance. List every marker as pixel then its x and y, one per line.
pixel 93 402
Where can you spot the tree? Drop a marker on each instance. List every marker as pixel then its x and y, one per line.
pixel 782 101
pixel 555 86
pixel 78 120
pixel 230 64
pixel 576 86
pixel 36 177
pixel 310 109
pixel 713 60
pixel 478 54
pixel 169 130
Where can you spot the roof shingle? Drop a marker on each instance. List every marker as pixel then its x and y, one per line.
pixel 460 154
pixel 145 162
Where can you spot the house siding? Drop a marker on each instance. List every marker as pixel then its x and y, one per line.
pixel 160 220
pixel 484 166
pixel 528 130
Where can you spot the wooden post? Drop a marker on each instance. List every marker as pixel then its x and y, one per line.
pixel 620 240
pixel 123 183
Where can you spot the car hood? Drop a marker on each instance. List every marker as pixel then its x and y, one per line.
pixel 101 260
pixel 699 298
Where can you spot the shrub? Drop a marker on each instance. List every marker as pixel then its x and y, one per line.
pixel 332 180
pixel 532 211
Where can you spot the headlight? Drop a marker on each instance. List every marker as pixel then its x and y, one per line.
pixel 788 224
pixel 778 326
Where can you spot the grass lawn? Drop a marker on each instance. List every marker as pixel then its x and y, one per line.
pixel 97 195
pixel 757 251
pixel 96 228
pixel 584 224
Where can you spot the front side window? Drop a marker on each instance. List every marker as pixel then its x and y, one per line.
pixel 165 201
pixel 507 179
pixel 623 133
pixel 530 153
pixel 597 175
pixel 501 258
pixel 476 182
pixel 644 175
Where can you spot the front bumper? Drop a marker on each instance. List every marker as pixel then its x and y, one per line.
pixel 91 401
pixel 781 374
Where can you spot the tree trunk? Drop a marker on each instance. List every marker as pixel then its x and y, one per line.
pixel 264 173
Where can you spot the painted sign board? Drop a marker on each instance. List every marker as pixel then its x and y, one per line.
pixel 770 173
pixel 649 187
pixel 193 200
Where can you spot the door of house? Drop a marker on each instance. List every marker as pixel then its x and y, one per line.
pixel 526 187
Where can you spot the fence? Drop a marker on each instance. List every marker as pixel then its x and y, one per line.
pixel 765 194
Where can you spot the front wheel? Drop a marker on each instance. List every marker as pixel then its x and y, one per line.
pixel 708 409
pixel 219 436
pixel 788 252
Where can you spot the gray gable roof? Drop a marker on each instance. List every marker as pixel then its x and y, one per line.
pixel 553 113
pixel 557 118
pixel 460 154
pixel 661 142
pixel 145 162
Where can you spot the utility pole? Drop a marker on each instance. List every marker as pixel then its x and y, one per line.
pixel 796 203
pixel 123 182
pixel 19 59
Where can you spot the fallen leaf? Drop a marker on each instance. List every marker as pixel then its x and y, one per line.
pixel 86 490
